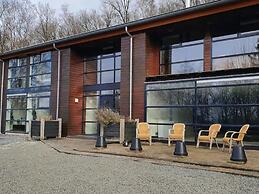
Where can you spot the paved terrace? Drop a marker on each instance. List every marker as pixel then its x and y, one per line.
pixel 215 160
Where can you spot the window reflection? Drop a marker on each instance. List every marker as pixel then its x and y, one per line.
pixel 16 83
pixel 30 106
pixel 231 102
pixel 17 71
pixel 42 68
pixel 40 80
pixel 107 77
pixel 107 64
pixel 187 67
pixel 106 69
pixel 187 53
pixel 184 57
pixel 98 70
pixel 244 61
pixel 170 97
pixel 240 51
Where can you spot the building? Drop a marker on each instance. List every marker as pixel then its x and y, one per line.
pixel 198 65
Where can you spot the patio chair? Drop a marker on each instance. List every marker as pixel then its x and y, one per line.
pixel 143 132
pixel 212 134
pixel 239 139
pixel 176 133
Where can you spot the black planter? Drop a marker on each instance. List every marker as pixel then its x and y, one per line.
pixel 101 142
pixel 238 154
pixel 135 145
pixel 180 149
pixel 130 131
pixel 125 143
pixel 112 131
pixel 51 129
pixel 35 128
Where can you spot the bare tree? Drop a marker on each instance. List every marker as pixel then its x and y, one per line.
pixel 108 16
pixel 89 21
pixel 121 9
pixel 170 5
pixel 145 8
pixel 16 24
pixel 198 2
pixel 68 24
pixel 46 28
pixel 23 23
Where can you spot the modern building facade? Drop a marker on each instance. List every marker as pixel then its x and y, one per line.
pixel 199 66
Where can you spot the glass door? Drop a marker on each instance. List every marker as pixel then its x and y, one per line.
pixel 16 113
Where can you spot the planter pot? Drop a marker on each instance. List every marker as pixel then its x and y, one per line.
pixel 112 131
pixel 51 129
pixel 101 142
pixel 35 129
pixel 238 154
pixel 135 145
pixel 130 131
pixel 180 149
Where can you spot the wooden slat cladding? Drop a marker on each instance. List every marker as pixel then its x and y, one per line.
pixel 76 91
pixel 124 83
pixel 152 56
pixel 207 52
pixel 54 80
pixel 145 63
pixel 139 75
pixel 64 90
pixel 91 78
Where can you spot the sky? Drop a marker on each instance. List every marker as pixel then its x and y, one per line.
pixel 74 5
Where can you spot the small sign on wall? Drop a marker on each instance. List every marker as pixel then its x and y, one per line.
pixel 76 100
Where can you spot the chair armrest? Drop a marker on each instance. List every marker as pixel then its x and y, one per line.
pixel 234 133
pixel 228 132
pixel 201 131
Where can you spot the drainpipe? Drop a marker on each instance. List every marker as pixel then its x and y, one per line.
pixel 2 94
pixel 131 67
pixel 58 83
pixel 188 3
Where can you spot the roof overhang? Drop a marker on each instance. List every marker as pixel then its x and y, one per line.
pixel 195 12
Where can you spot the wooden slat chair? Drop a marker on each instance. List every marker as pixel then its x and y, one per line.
pixel 144 133
pixel 228 140
pixel 212 135
pixel 176 133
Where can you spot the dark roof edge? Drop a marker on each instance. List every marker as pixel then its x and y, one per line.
pixel 122 26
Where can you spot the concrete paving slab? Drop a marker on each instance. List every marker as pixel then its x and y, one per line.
pixel 214 159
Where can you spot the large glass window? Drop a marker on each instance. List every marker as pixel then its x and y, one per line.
pixel 17 72
pixel 26 99
pixel 103 69
pixel 16 113
pixel 40 70
pixel 100 71
pixel 231 102
pixel 235 51
pixel 181 56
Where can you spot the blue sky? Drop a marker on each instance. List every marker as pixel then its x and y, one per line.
pixel 74 5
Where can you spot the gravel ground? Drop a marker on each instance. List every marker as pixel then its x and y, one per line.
pixel 11 139
pixel 33 167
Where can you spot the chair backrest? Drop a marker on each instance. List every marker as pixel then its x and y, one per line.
pixel 213 130
pixel 178 128
pixel 243 132
pixel 143 128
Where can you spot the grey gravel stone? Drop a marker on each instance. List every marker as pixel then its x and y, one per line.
pixel 33 167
